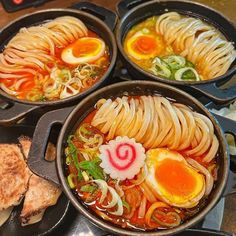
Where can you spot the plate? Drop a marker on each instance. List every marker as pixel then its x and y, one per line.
pixel 53 216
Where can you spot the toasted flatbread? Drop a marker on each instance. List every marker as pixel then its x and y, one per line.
pixel 40 195
pixel 14 175
pixel 25 143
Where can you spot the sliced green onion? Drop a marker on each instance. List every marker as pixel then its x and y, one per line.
pixel 160 68
pixel 187 73
pixel 114 199
pixel 88 188
pixel 169 214
pixel 84 130
pixel 126 205
pixel 104 188
pixel 120 209
pixel 189 64
pixel 175 62
pixel 70 180
pixel 74 153
pixel 68 161
pixel 85 176
pixel 93 168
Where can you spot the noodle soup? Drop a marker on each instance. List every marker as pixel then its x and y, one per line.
pixel 143 162
pixel 180 48
pixel 53 61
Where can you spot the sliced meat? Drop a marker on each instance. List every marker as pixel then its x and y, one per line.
pixel 14 175
pixel 40 195
pixel 25 143
pixel 4 215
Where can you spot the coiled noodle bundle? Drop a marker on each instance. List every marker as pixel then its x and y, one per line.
pixel 156 122
pixel 198 42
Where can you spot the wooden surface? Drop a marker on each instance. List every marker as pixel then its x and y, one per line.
pixel 7 17
pixel 227 7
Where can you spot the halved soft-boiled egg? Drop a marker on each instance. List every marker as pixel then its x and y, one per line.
pixel 83 50
pixel 172 179
pixel 143 46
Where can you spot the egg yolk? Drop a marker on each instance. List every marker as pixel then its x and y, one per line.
pixel 145 44
pixel 175 177
pixel 84 47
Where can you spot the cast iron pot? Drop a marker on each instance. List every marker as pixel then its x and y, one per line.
pixel 135 11
pixel 71 117
pixel 96 18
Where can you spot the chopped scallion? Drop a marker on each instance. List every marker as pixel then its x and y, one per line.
pixel 88 188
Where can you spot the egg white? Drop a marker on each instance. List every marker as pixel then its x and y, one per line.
pixel 68 56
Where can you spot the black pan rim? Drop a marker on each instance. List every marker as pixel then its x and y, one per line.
pixel 79 95
pixel 148 75
pixel 113 228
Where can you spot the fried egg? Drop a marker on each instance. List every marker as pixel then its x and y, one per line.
pixel 172 179
pixel 83 50
pixel 144 45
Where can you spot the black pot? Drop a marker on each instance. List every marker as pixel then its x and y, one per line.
pixel 96 18
pixel 135 11
pixel 71 117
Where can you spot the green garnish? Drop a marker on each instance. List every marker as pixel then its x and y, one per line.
pixel 126 205
pixel 93 168
pixel 42 99
pixel 88 188
pixel 70 180
pixel 74 154
pixel 68 161
pixel 175 68
pixel 189 64
pixel 175 62
pixel 188 75
pixel 161 68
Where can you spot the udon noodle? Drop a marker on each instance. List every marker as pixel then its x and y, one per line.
pixel 155 122
pixel 143 162
pixel 32 66
pixel 179 47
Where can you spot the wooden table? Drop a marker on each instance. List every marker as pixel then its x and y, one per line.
pixel 227 7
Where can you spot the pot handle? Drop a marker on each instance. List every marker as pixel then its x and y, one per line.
pixel 228 126
pixel 36 160
pixel 216 93
pixel 108 16
pixel 10 113
pixel 125 5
